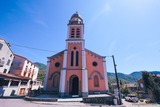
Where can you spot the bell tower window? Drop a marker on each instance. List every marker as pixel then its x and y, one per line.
pixel 72 33
pixel 77 33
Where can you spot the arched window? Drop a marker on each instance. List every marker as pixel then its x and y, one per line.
pixel 72 33
pixel 77 57
pixel 96 81
pixel 72 58
pixel 77 33
pixel 55 81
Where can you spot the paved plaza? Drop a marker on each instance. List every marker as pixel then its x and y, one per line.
pixel 64 103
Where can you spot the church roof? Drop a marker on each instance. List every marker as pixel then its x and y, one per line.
pixel 76 15
pixel 75 19
pixel 94 53
pixel 89 51
pixel 59 53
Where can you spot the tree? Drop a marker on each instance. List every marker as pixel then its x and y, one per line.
pixel 125 91
pixel 152 84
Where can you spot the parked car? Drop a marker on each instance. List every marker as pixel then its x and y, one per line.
pixel 131 98
pixel 147 100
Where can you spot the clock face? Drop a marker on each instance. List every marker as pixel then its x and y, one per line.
pixel 75 19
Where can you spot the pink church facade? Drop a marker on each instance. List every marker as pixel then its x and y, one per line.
pixel 76 70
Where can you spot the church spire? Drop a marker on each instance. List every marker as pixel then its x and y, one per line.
pixel 75 19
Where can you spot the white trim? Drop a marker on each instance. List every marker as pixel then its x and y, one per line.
pixel 83 45
pixel 84 73
pixel 63 74
pixel 68 33
pixel 75 41
pixel 66 45
pixel 82 32
pixel 46 76
pixel 105 74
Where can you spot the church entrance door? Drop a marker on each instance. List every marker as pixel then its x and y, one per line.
pixel 74 85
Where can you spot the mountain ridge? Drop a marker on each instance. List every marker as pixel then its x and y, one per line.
pixel 128 78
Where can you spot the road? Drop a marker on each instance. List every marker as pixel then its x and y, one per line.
pixel 23 103
pixel 139 104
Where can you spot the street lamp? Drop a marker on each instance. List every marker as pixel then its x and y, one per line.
pixel 119 92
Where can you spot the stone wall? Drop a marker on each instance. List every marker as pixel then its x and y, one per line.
pixel 99 100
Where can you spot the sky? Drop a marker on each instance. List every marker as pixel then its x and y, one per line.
pixel 127 29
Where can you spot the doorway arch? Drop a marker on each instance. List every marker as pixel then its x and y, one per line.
pixel 74 85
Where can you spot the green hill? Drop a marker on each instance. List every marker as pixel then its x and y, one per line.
pixel 128 78
pixel 42 71
pixel 41 66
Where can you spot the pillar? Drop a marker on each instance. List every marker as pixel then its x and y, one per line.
pixel 105 74
pixel 46 76
pixel 84 76
pixel 63 76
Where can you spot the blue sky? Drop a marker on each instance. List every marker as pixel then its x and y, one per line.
pixel 128 29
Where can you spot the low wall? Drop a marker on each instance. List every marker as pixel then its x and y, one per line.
pixel 40 99
pixel 99 100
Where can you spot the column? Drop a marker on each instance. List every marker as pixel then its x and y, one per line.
pixel 84 76
pixel 105 74
pixel 9 84
pixel 19 87
pixel 63 76
pixel 46 76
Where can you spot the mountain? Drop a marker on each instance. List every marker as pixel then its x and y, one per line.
pixel 125 77
pixel 128 78
pixel 42 71
pixel 40 65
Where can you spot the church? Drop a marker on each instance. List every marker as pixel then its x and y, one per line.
pixel 76 70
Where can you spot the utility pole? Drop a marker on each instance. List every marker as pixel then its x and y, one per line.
pixel 119 92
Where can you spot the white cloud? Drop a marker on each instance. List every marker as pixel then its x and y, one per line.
pixel 104 10
pixel 41 22
pixel 131 57
pixel 112 47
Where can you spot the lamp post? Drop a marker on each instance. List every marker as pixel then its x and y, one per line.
pixel 119 92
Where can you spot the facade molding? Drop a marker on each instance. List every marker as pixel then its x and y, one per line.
pixel 95 73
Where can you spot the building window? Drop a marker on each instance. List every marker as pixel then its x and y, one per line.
pixel 1 45
pixel 57 64
pixel 8 62
pixel 72 58
pixel 94 63
pixel 3 82
pixel 11 55
pixel 5 70
pixel 96 81
pixel 24 83
pixel 77 57
pixel 14 83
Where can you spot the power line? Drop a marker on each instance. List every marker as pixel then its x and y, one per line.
pixel 31 48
